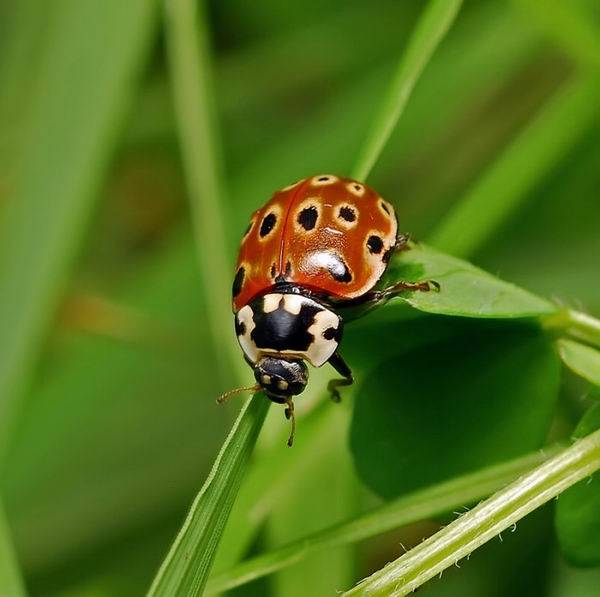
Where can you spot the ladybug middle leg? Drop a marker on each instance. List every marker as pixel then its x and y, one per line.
pixel 338 363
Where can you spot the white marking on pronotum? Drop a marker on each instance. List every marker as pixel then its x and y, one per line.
pixel 321 349
pixel 282 384
pixel 246 317
pixel 266 379
pixel 292 303
pixel 271 302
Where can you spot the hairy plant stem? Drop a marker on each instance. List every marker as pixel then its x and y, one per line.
pixel 502 511
pixel 575 324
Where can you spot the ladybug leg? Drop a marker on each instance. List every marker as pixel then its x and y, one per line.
pixel 338 363
pixel 398 287
pixel 402 242
pixel 289 414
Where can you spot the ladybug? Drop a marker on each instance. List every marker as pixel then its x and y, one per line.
pixel 315 250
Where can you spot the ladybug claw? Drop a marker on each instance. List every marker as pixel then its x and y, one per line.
pixel 433 285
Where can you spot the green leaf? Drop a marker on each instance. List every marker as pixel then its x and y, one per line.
pixel 578 510
pixel 476 527
pixel 185 569
pixel 92 60
pixel 581 359
pixel 479 398
pixel 420 505
pixel 433 25
pixel 465 290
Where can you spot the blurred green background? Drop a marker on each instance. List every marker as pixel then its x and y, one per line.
pixel 108 373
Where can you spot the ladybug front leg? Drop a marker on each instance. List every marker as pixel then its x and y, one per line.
pixel 338 363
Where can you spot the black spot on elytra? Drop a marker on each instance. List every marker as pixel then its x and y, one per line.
pixel 332 334
pixel 240 327
pixel 385 208
pixel 273 271
pixel 375 244
pixel 238 281
pixel 307 218
pixel 268 224
pixel 347 213
pixel 281 330
pixel 357 188
pixel 323 178
pixel 288 268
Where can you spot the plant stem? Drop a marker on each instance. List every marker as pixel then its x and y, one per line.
pixel 189 59
pixel 433 25
pixel 576 324
pixel 485 521
pixel 407 509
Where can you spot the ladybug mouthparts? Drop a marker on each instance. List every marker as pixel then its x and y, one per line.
pixel 281 378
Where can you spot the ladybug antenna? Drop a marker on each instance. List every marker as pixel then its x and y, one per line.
pixel 289 414
pixel 223 397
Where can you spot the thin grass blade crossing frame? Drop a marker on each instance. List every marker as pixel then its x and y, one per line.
pixel 433 25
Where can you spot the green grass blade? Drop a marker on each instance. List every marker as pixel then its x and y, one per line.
pixel 474 528
pixel 185 569
pixel 422 504
pixel 73 130
pixel 191 77
pixel 505 185
pixel 11 582
pixel 433 25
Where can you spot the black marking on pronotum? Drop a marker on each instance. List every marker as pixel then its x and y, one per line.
pixel 338 269
pixel 347 213
pixel 385 208
pixel 268 224
pixel 332 334
pixel 375 244
pixel 240 327
pixel 281 330
pixel 238 281
pixel 307 218
pixel 273 271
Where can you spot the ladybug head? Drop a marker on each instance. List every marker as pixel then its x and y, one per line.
pixel 281 378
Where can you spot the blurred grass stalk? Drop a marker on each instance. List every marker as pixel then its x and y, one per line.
pixel 73 130
pixel 192 82
pixel 506 184
pixel 11 583
pixel 484 522
pixel 434 22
